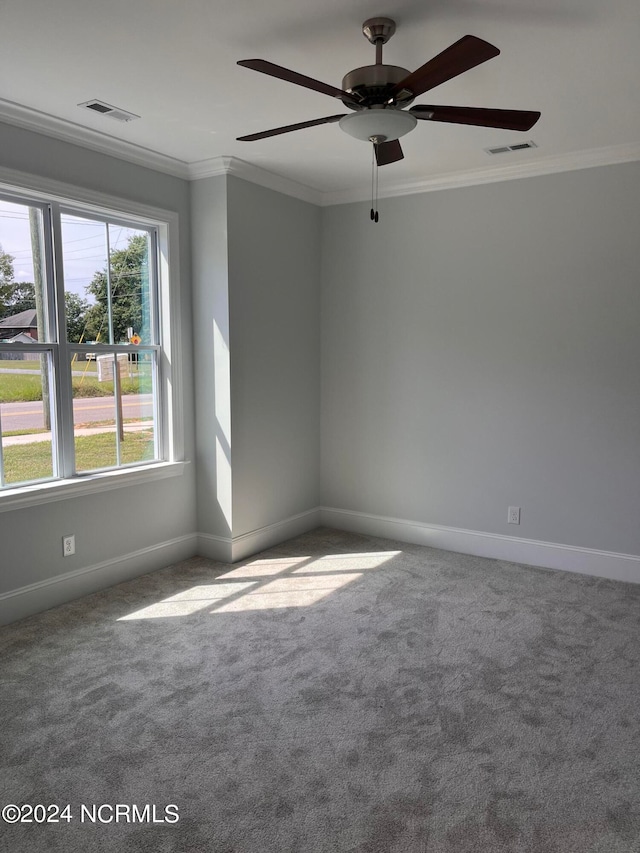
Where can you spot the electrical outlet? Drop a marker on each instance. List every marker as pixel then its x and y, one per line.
pixel 68 546
pixel 513 515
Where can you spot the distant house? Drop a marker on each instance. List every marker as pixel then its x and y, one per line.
pixel 25 323
pixel 19 355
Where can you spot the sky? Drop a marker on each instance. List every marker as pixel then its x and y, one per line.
pixel 84 245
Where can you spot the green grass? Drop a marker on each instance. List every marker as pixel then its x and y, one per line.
pixel 24 462
pixel 29 431
pixel 18 388
pixel 32 364
pixel 15 388
pixel 18 364
pixel 87 368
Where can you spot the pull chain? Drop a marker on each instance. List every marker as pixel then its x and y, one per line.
pixel 375 218
pixel 373 156
pixel 374 184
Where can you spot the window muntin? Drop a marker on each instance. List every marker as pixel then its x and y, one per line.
pixel 97 417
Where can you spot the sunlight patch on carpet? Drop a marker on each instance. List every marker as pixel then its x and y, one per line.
pixel 265 568
pixel 267 584
pixel 348 562
pixel 288 592
pixel 189 601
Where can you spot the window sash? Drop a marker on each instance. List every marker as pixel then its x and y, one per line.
pixel 59 352
pixel 60 210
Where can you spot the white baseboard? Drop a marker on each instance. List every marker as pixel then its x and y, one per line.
pixel 551 555
pixel 215 547
pixel 227 549
pixel 36 597
pixel 245 545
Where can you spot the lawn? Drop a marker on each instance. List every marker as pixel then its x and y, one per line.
pixel 24 462
pixel 19 364
pixel 27 388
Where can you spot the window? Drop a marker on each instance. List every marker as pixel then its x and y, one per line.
pixel 84 358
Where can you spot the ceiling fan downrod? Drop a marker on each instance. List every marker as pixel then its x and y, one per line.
pixel 378 31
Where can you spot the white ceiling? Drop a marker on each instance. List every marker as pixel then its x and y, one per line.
pixel 174 64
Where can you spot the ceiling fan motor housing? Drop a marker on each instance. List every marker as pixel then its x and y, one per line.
pixel 373 84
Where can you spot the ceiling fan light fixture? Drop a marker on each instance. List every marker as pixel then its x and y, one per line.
pixel 370 124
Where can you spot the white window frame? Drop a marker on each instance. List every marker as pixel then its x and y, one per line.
pixel 27 188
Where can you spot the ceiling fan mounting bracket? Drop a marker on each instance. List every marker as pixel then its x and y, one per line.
pixel 378 30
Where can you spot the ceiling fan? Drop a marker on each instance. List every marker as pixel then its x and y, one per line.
pixel 378 94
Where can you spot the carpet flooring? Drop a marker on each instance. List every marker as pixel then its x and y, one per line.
pixel 335 694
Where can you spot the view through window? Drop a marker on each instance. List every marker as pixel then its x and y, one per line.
pixel 79 342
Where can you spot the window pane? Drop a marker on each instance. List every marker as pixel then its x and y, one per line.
pixel 106 301
pixel 112 428
pixel 84 257
pixel 138 410
pixel 130 284
pixel 23 315
pixel 25 417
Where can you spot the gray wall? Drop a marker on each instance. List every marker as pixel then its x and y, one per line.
pixel 256 256
pixel 274 274
pixel 480 348
pixel 116 523
pixel 211 364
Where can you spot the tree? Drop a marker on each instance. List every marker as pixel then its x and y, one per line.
pixel 128 283
pixel 21 297
pixel 76 309
pixel 15 296
pixel 6 268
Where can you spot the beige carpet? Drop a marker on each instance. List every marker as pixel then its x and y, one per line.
pixel 336 694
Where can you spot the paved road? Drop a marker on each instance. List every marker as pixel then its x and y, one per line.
pixel 85 410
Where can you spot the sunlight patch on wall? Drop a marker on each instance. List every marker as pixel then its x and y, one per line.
pixel 222 371
pixel 223 481
pixel 222 403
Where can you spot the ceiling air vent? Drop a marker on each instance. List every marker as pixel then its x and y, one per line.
pixel 502 149
pixel 108 110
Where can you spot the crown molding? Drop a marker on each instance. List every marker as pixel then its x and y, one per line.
pixel 592 157
pixel 255 175
pixel 77 134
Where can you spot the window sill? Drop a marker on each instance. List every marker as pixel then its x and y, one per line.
pixel 41 493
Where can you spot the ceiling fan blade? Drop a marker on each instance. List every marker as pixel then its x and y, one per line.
pixel 388 152
pixel 252 137
pixel 281 73
pixel 506 119
pixel 466 53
